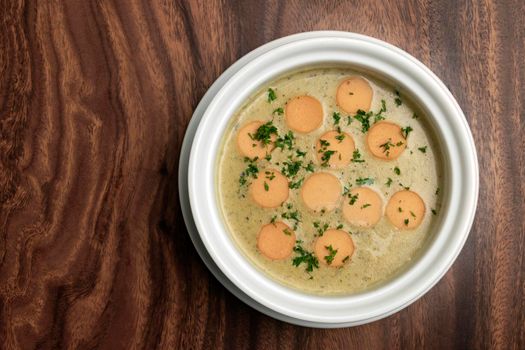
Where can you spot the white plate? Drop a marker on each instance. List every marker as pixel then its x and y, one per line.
pixel 460 167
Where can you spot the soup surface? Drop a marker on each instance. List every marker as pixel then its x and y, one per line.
pixel 329 180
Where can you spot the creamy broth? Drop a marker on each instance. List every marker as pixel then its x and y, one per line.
pixel 381 250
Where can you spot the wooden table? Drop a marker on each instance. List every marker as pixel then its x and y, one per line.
pixel 95 97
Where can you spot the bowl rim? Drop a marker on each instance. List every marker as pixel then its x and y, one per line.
pixel 354 50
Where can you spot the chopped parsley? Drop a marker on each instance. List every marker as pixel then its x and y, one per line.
pixel 397 99
pixel 397 170
pixel 251 170
pixel 300 153
pixel 434 212
pixel 364 181
pixel 346 258
pixel 320 228
pixel 406 130
pixel 386 146
pixel 379 115
pixel 264 133
pixel 337 117
pixel 292 215
pixel 268 157
pixel 278 111
pixel 348 120
pixel 270 175
pixel 266 187
pixel 304 257
pixel 364 118
pixel 273 219
pixel 297 184
pixel 423 149
pixel 291 168
pixel 437 191
pixel 310 167
pixel 340 137
pixel 286 141
pixel 415 116
pixel 331 254
pixel 383 107
pixel 399 209
pixel 412 213
pixel 326 157
pixel 356 157
pixel 353 198
pixel 287 232
pixel 388 182
pixel 340 226
pixel 324 145
pixel 271 95
pixel 406 222
pixel 366 205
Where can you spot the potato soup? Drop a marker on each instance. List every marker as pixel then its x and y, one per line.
pixel 328 180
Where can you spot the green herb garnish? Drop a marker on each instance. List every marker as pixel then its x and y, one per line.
pixel 291 168
pixel 266 187
pixel 297 184
pixel 270 175
pixel 251 170
pixel 423 149
pixel 397 170
pixel 356 157
pixel 324 145
pixel 364 119
pixel 292 215
pixel 388 182
pixel 397 99
pixel 286 141
pixel 340 137
pixel 406 130
pixel 326 157
pixel 364 181
pixel 337 117
pixel 379 115
pixel 366 205
pixel 386 147
pixel 331 254
pixel 271 95
pixel 304 257
pixel 320 228
pixel 264 133
pixel 278 111
pixel 299 153
pixel 353 198
pixel 310 167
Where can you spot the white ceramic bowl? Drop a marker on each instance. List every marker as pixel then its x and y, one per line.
pixel 459 193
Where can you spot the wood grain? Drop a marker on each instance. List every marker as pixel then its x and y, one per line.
pixel 95 97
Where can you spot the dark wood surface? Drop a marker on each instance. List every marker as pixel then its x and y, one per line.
pixel 95 97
